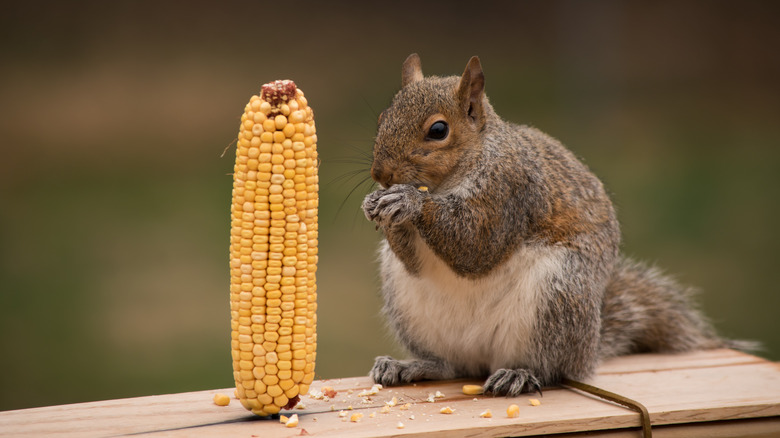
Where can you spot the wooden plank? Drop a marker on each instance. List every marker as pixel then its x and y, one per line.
pixel 698 388
pixel 751 428
pixel 659 362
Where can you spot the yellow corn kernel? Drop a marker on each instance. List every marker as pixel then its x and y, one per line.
pixel 472 389
pixel 292 421
pixel 273 243
pixel 221 400
pixel 534 401
pixel 513 411
pixel 486 414
pixel 446 410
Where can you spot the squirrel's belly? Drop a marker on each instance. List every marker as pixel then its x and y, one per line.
pixel 476 325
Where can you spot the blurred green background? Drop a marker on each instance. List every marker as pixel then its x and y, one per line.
pixel 114 197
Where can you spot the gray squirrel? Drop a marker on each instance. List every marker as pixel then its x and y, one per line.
pixel 500 256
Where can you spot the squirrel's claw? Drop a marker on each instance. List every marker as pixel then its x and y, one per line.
pixel 512 383
pixel 386 371
pixel 400 203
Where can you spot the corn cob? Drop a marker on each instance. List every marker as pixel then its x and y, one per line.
pixel 273 250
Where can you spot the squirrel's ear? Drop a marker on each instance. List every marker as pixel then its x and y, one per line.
pixel 412 70
pixel 471 90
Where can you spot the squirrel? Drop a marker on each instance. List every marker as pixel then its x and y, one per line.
pixel 500 257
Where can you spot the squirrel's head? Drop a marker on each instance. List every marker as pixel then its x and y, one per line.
pixel 429 126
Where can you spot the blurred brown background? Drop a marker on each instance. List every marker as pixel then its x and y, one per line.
pixel 114 200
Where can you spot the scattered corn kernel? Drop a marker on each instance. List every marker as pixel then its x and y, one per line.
pixel 438 394
pixel 293 421
pixel 283 419
pixel 385 409
pixel 513 411
pixel 392 402
pixel 356 417
pixel 399 425
pixel 422 188
pixel 221 400
pixel 486 414
pixel 472 389
pixel 446 410
pixel 405 407
pixel 534 402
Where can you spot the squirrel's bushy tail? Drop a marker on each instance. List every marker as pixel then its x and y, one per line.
pixel 646 311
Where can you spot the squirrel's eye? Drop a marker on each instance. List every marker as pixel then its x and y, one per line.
pixel 438 131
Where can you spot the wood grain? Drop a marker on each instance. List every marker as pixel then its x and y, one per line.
pixel 721 389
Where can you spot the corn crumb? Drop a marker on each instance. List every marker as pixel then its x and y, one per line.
pixel 292 421
pixel 369 392
pixel 513 411
pixel 329 392
pixel 356 417
pixel 534 402
pixel 399 425
pixel 446 410
pixel 486 414
pixel 422 188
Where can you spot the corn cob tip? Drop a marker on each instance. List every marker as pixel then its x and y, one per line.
pixel 292 403
pixel 278 92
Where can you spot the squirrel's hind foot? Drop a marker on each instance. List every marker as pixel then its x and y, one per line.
pixel 512 383
pixel 392 372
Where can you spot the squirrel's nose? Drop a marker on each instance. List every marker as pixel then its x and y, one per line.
pixel 382 176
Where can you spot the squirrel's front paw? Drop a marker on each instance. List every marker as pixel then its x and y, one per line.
pixel 512 383
pixel 399 204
